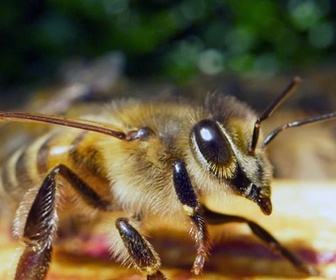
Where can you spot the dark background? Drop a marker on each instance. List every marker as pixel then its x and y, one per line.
pixel 171 40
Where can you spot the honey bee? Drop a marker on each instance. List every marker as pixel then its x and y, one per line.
pixel 142 160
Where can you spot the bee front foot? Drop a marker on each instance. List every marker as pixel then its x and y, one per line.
pixel 198 265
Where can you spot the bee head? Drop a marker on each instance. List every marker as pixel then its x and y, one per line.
pixel 225 156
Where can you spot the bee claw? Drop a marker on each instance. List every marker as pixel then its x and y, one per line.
pixel 198 265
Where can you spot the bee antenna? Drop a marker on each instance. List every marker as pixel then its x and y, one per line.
pixel 62 121
pixel 305 121
pixel 269 111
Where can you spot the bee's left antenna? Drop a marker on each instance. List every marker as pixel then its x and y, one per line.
pixel 60 120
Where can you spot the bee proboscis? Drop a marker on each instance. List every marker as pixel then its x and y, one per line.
pixel 143 159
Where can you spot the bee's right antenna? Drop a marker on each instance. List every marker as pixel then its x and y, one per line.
pixel 269 111
pixel 276 131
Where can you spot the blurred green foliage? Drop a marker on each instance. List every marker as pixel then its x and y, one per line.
pixel 174 39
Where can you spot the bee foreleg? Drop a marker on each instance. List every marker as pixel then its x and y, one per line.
pixel 42 219
pixel 38 233
pixel 33 265
pixel 140 251
pixel 191 206
pixel 218 218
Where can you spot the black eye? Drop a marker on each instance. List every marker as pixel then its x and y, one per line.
pixel 212 147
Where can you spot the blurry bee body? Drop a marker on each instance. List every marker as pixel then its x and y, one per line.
pixel 163 159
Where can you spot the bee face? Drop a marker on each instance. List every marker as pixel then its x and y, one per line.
pixel 226 158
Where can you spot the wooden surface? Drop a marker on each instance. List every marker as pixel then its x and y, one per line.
pixel 303 219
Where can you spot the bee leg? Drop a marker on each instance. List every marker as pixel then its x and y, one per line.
pixel 139 249
pixel 41 223
pixel 37 234
pixel 191 206
pixel 215 218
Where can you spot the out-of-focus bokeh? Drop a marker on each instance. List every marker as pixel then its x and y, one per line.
pixel 171 39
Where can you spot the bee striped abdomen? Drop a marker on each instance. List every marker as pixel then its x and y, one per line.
pixel 43 154
pixel 8 178
pixel 24 168
pixel 28 166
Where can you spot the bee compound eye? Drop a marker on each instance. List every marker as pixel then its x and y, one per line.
pixel 211 145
